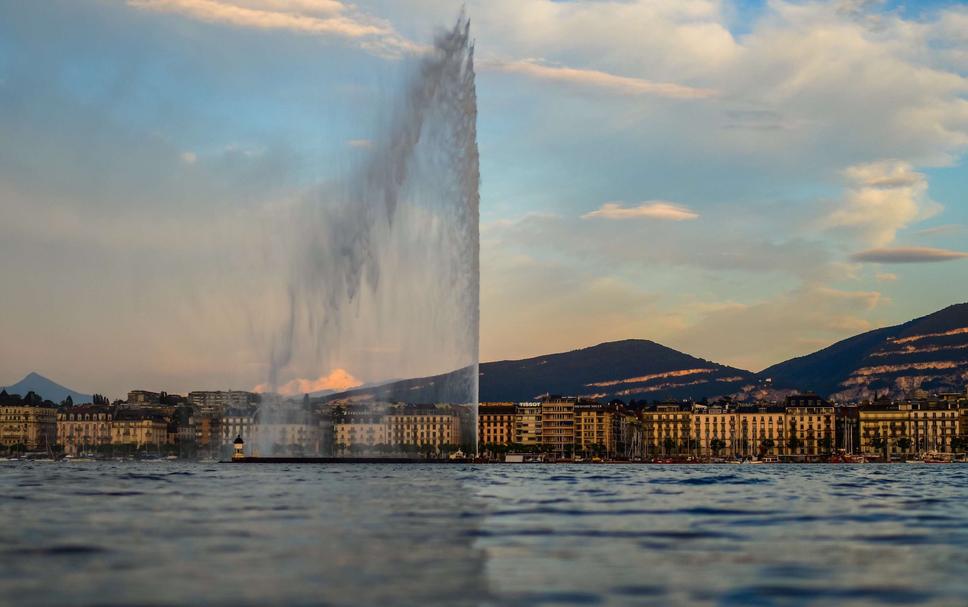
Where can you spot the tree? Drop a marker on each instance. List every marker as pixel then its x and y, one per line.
pixel 668 444
pixel 904 443
pixel 794 443
pixel 717 445
pixel 766 445
pixel 826 444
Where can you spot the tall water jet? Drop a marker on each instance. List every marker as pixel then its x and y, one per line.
pixel 383 264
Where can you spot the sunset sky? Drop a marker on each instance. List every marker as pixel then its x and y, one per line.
pixel 744 181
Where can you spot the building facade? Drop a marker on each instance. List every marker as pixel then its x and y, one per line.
pixel 28 427
pixel 85 428
pixel 558 426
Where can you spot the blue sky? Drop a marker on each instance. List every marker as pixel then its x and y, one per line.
pixel 721 177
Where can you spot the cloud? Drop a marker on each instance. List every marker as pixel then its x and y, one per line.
pixel 597 79
pixel 907 255
pixel 885 277
pixel 319 17
pixel 359 143
pixel 188 157
pixel 882 197
pixel 653 210
pixel 336 380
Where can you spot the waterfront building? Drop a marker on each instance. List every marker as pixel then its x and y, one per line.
pixel 598 429
pixel 434 428
pixel 31 427
pixel 666 430
pixel 139 429
pixel 809 426
pixel 889 429
pixel 558 425
pixel 236 422
pixel 84 428
pixel 285 429
pixel 496 424
pixel 207 428
pixel 527 425
pixel 360 433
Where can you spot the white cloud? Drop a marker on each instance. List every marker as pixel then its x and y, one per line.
pixel 598 79
pixel 359 143
pixel 188 157
pixel 657 209
pixel 882 197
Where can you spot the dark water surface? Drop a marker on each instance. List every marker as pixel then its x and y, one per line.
pixel 191 534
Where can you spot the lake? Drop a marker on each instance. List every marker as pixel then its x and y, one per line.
pixel 173 533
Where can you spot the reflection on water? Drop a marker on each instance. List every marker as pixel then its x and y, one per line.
pixel 163 533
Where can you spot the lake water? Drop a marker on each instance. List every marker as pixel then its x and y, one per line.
pixel 189 534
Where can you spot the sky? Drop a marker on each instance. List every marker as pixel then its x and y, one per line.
pixel 745 181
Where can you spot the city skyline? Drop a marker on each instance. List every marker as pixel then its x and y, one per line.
pixel 742 181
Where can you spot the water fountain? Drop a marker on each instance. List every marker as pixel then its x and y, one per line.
pixel 383 265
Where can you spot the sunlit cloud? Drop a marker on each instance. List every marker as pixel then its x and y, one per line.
pixel 359 143
pixel 323 18
pixel 598 79
pixel 657 209
pixel 908 255
pixel 336 380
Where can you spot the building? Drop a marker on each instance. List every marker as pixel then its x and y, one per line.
pixel 142 430
pixel 496 425
pixel 84 428
pixel 234 423
pixel 430 428
pixel 207 428
pixel 219 401
pixel 810 425
pixel 29 427
pixel 666 430
pixel 597 429
pixel 144 397
pixel 527 425
pixel 558 425
pixel 889 429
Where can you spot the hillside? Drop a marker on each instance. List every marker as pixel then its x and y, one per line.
pixel 929 353
pixel 629 369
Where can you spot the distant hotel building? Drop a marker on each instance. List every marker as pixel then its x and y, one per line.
pixel 29 427
pixel 84 428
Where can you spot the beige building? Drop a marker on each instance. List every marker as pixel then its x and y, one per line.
pixel 809 430
pixel 139 429
pixel 496 424
pixel 527 424
pixel 558 425
pixel 897 429
pixel 666 430
pixel 597 430
pixel 29 427
pixel 426 426
pixel 84 428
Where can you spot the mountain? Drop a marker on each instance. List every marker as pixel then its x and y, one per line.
pixel 629 369
pixel 929 353
pixel 46 389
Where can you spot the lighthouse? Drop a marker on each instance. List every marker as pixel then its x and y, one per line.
pixel 239 445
